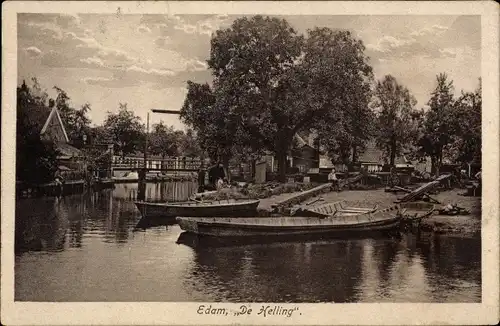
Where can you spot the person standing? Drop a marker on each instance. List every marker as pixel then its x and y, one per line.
pixel 201 180
pixel 332 177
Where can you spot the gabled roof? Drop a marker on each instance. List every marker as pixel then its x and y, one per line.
pixel 67 150
pixel 37 115
pixel 54 112
pixel 300 141
pixel 371 154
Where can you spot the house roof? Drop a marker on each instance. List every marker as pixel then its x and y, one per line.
pixel 371 155
pixel 37 116
pixel 55 113
pixel 374 155
pixel 300 141
pixel 67 150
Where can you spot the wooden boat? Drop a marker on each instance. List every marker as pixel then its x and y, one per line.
pixel 217 208
pixel 417 210
pixel 201 243
pixel 127 177
pixel 200 195
pixel 382 220
pixel 333 209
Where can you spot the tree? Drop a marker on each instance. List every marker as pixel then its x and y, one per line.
pixel 341 78
pixel 465 146
pixel 36 159
pixel 76 121
pixel 125 129
pixel 439 122
pixel 396 122
pixel 271 83
pixel 164 140
pixel 188 145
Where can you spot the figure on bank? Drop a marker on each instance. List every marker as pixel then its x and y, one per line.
pixel 332 177
pixel 215 173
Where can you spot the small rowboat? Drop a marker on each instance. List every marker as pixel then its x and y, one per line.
pixel 333 209
pixel 216 208
pixel 382 220
pixel 417 210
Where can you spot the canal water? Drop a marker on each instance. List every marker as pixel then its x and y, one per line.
pixel 95 247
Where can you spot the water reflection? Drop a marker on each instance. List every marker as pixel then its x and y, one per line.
pixel 64 244
pixel 360 270
pixel 55 223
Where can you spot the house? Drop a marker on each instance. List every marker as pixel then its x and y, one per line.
pixel 51 127
pixel 372 159
pixel 304 156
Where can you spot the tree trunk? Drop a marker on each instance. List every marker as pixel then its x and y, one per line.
pixel 282 165
pixel 354 154
pixel 433 164
pixel 439 160
pixel 393 153
pixel 227 172
pixel 252 169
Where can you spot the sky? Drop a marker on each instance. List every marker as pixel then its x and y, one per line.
pixel 146 60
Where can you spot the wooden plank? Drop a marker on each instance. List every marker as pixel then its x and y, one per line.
pixel 419 191
pixel 300 197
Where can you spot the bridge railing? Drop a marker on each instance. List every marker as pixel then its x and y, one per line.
pixel 177 163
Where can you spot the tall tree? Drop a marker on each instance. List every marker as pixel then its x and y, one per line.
pixel 189 145
pixel 439 121
pixel 76 121
pixel 164 140
pixel 465 146
pixel 36 159
pixel 341 79
pixel 126 130
pixel 273 83
pixel 199 112
pixel 397 126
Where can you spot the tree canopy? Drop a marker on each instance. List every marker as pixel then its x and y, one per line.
pixel 126 130
pixel 396 118
pixel 36 158
pixel 271 82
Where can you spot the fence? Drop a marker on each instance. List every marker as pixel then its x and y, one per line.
pixel 172 164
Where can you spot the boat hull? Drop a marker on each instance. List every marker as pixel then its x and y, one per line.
pixel 333 209
pixel 193 209
pixel 290 226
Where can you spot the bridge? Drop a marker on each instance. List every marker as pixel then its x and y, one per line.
pixel 180 164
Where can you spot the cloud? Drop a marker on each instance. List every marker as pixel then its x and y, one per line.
pixel 156 78
pixel 110 82
pixel 68 21
pixel 196 65
pixel 425 42
pixel 389 43
pixel 143 29
pixel 429 31
pixel 33 51
pixel 93 61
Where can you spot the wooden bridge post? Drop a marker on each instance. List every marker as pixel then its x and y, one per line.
pixel 112 155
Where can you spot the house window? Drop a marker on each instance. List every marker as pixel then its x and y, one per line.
pixel 302 168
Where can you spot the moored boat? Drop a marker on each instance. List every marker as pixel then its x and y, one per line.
pixel 382 220
pixel 333 209
pixel 417 210
pixel 127 177
pixel 215 208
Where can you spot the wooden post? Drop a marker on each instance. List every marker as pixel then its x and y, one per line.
pixel 111 154
pixel 141 195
